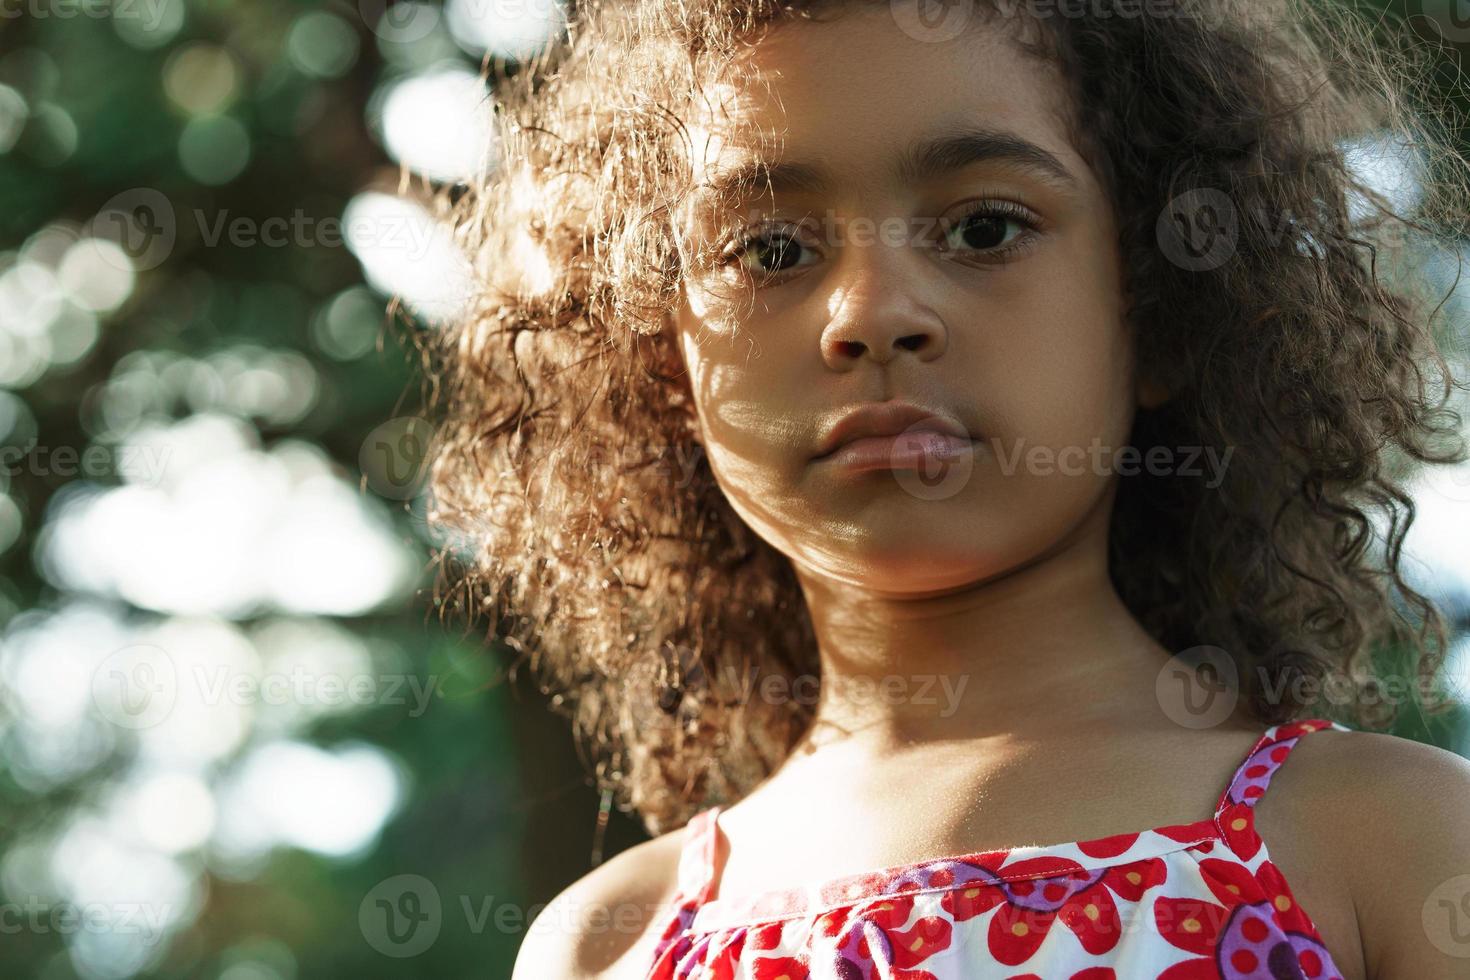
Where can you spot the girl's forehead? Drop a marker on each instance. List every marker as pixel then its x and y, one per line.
pixel 859 95
pixel 931 155
pixel 862 56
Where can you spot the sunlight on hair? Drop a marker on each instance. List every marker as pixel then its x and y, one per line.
pixel 528 255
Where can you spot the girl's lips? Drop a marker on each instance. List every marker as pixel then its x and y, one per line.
pixel 914 449
pixel 890 418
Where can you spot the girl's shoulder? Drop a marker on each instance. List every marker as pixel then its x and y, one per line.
pixel 600 923
pixel 1372 831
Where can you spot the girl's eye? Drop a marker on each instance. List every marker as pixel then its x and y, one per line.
pixel 766 256
pixel 990 229
pixel 995 228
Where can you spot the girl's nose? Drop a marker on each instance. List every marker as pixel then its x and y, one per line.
pixel 878 312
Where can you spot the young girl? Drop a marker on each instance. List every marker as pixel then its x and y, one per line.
pixel 935 455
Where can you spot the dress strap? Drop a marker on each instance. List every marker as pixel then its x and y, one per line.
pixel 697 855
pixel 1254 774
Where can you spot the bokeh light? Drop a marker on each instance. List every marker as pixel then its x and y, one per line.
pixel 438 123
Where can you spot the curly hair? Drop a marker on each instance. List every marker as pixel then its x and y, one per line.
pixel 581 521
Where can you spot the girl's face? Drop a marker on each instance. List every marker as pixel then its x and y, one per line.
pixel 940 242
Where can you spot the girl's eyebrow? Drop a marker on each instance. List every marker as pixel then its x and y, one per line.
pixel 924 160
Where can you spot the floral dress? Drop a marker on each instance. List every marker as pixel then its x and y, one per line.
pixel 1183 902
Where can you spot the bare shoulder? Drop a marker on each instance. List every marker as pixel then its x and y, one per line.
pixel 1372 828
pixel 597 924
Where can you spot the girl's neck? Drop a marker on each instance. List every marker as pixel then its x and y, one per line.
pixel 1009 659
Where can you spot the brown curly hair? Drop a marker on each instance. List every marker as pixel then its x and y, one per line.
pixel 583 522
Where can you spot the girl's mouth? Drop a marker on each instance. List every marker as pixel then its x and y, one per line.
pixel 914 449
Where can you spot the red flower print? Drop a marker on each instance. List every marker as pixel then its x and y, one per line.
pixel 1186 833
pixel 726 960
pixel 1107 847
pixel 1238 826
pixel 1220 909
pixel 1256 932
pixel 781 968
pixel 673 944
pixel 869 941
pixel 717 953
pixel 1026 909
pixel 768 937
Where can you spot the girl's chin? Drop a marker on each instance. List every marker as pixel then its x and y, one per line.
pixel 909 567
